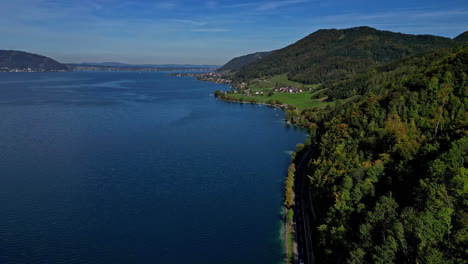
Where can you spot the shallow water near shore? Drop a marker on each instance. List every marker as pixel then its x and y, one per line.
pixel 129 167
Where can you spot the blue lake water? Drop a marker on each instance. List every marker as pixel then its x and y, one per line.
pixel 128 167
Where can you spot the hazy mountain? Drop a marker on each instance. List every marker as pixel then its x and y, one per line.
pixel 13 59
pixel 118 64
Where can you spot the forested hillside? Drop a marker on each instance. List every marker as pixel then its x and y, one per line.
pixel 390 173
pixel 326 56
pixel 238 62
pixel 462 37
pixel 382 78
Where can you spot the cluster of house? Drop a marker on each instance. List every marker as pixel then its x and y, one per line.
pixel 292 89
pixel 221 80
pixel 7 69
pixel 215 77
pixel 209 77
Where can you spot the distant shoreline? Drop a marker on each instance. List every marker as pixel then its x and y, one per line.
pixel 136 68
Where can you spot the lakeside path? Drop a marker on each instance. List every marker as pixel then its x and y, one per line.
pixel 304 212
pixel 262 102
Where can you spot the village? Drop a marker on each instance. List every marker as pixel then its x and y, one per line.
pixel 291 89
pixel 241 88
pixel 288 89
pixel 248 91
pixel 208 77
pixel 8 69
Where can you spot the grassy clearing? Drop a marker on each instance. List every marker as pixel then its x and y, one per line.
pixel 281 80
pixel 300 100
pixel 260 99
pixel 290 253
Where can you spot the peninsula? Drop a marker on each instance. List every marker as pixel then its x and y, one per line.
pixel 19 61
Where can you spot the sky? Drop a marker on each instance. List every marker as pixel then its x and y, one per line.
pixel 203 32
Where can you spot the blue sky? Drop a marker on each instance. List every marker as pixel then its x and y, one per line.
pixel 203 32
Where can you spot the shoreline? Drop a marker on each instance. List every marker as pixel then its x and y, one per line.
pixel 253 103
pixel 288 229
pixel 227 98
pixel 290 214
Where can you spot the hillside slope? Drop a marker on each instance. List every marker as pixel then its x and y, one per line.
pixel 238 62
pixel 390 174
pixel 13 59
pixel 330 55
pixel 462 38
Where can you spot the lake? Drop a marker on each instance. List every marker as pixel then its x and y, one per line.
pixel 130 167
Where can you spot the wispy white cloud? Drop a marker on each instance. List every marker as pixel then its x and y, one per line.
pixel 277 4
pixel 264 6
pixel 408 14
pixel 241 5
pixel 188 22
pixel 135 28
pixel 210 30
pixel 167 5
pixel 401 17
pixel 444 13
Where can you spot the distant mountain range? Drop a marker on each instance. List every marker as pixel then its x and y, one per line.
pixel 20 61
pixel 334 54
pixel 237 63
pixel 118 64
pixel 13 60
pixel 113 66
pixel 324 56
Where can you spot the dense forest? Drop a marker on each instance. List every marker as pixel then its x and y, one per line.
pixel 382 78
pixel 389 176
pixel 326 56
pixel 389 170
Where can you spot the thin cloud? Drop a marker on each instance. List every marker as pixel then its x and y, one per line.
pixel 262 6
pixel 446 13
pixel 210 30
pixel 87 27
pixel 167 5
pixel 277 4
pixel 188 22
pixel 241 5
pixel 394 17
